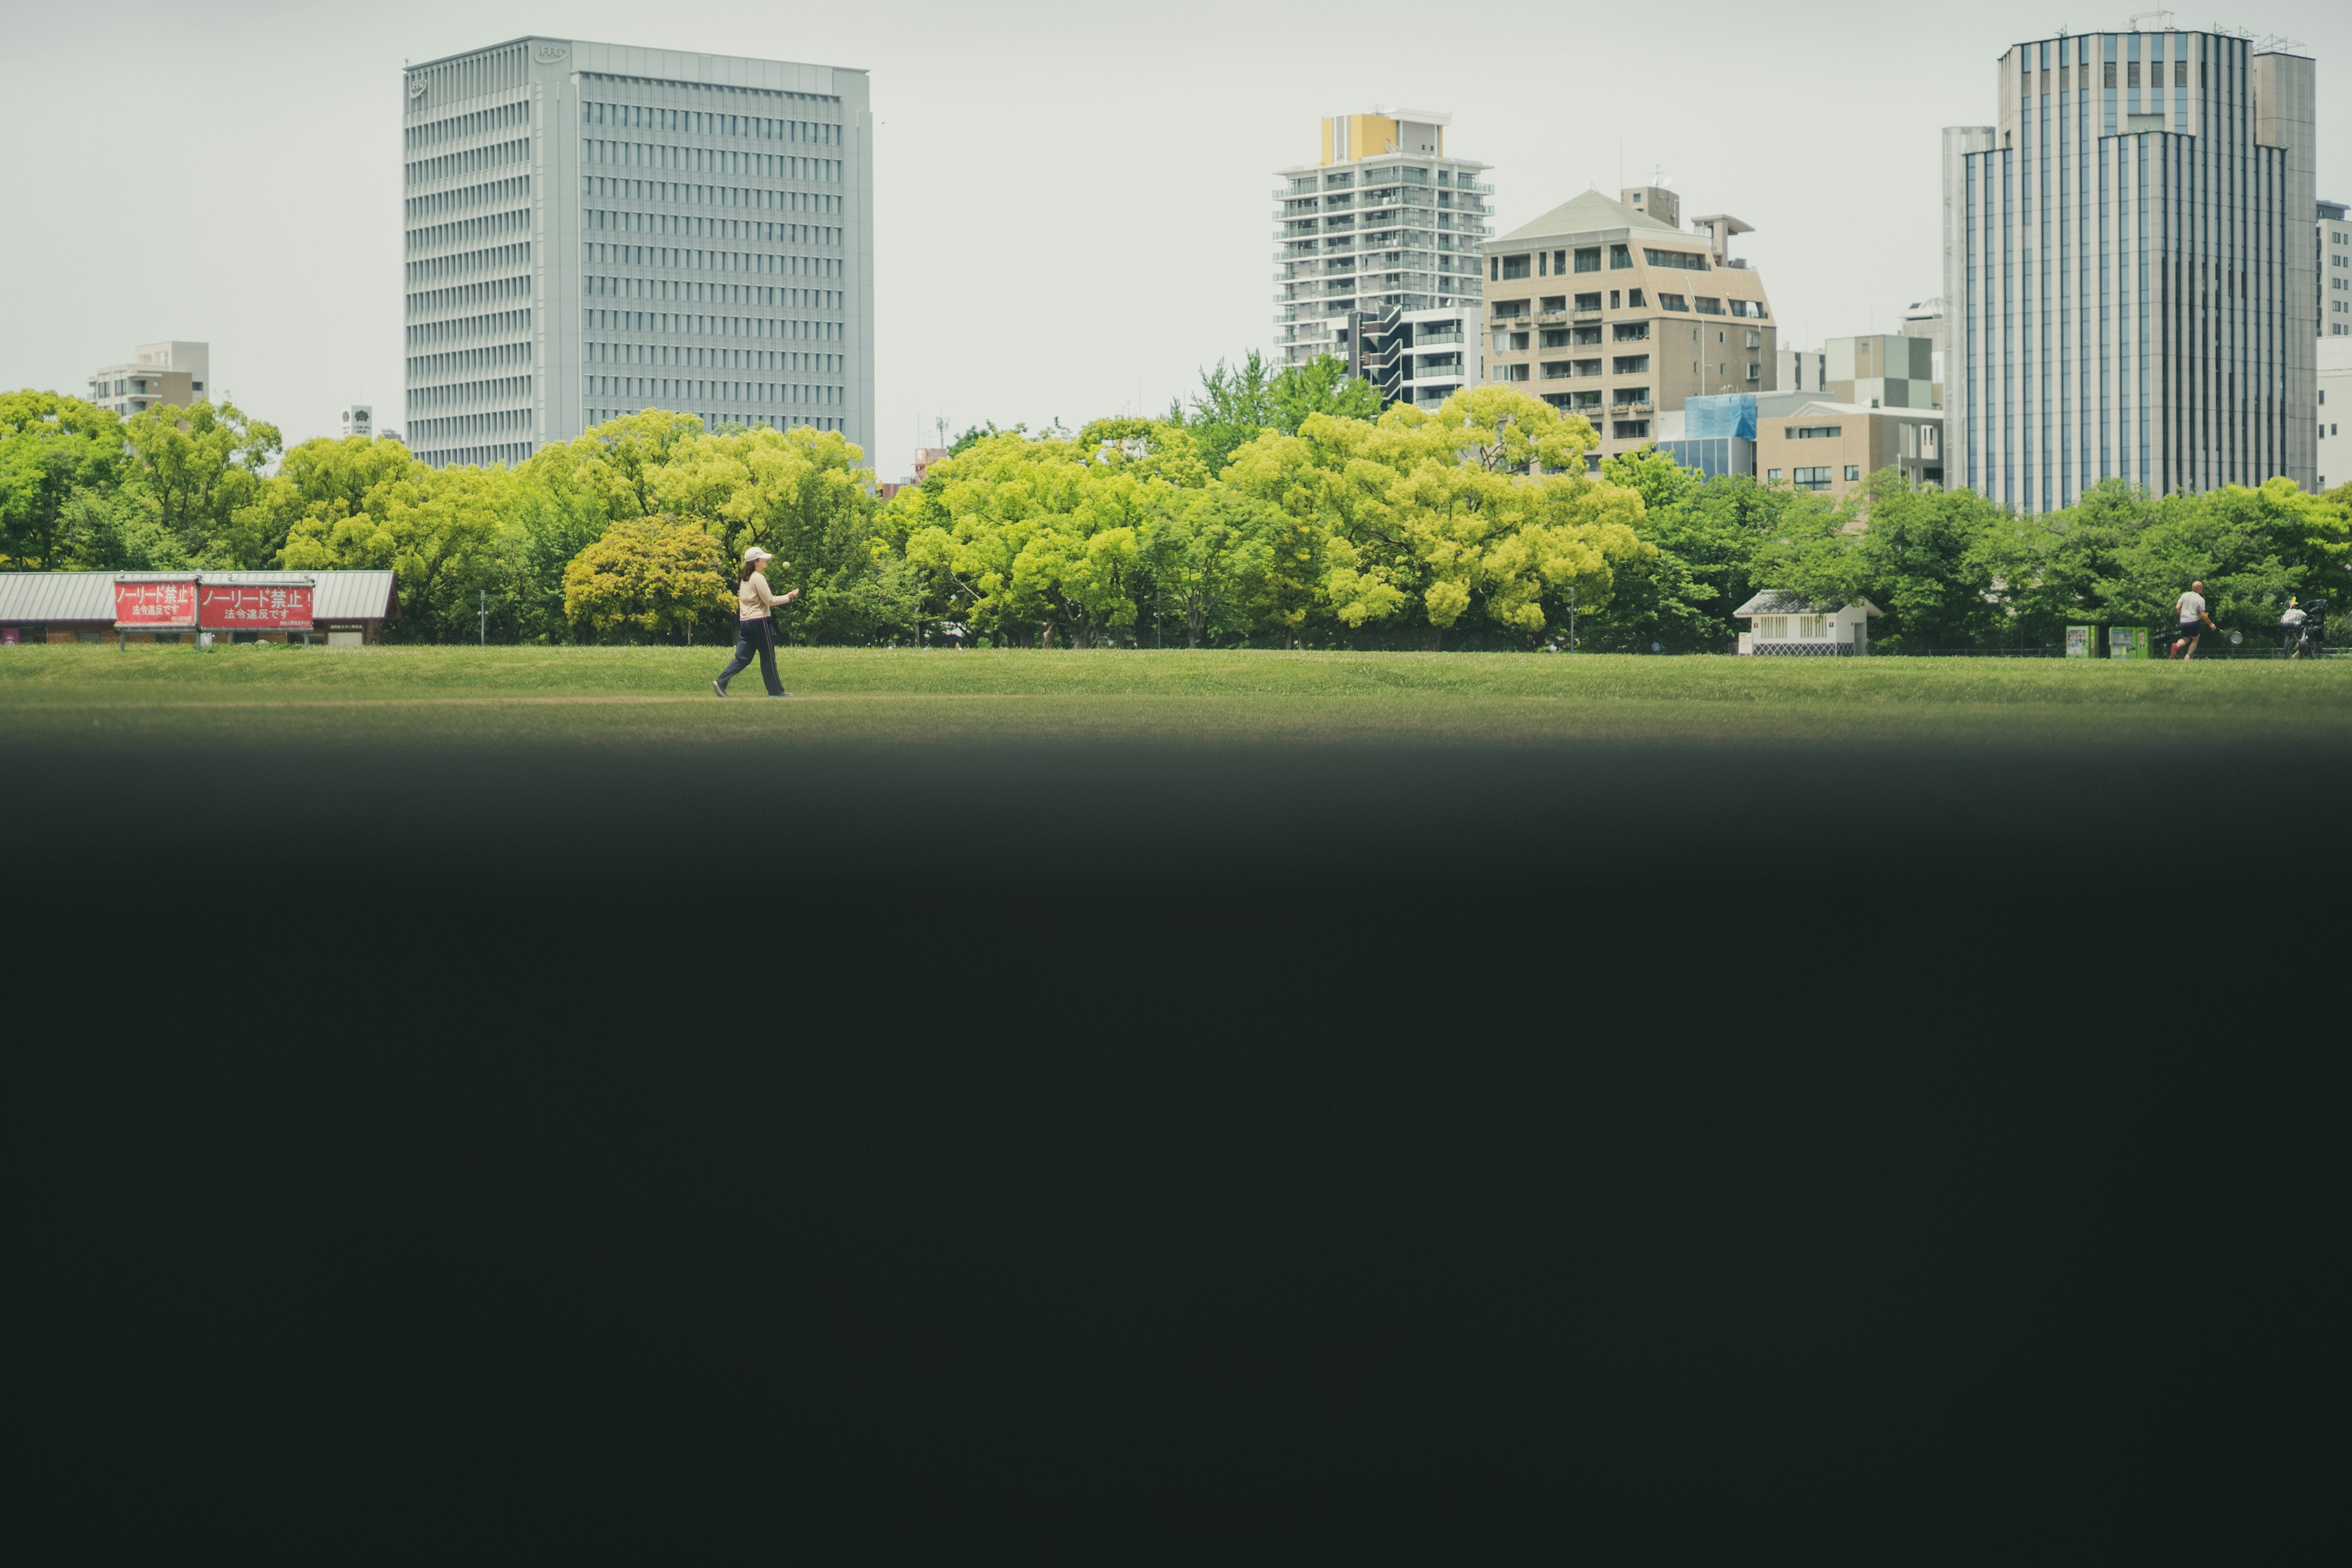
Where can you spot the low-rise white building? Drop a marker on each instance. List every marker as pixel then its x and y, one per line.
pixel 1780 623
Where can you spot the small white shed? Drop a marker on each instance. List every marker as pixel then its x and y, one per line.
pixel 1780 623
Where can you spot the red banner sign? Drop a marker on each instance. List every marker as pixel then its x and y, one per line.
pixel 276 608
pixel 140 606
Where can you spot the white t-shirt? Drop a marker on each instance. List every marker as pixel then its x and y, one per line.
pixel 2293 617
pixel 2192 605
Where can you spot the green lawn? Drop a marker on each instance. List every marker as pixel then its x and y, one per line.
pixel 660 697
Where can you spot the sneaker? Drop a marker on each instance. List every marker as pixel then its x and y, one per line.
pixel 774 695
pixel 719 689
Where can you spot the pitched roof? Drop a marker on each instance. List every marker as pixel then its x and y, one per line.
pixel 42 597
pixel 38 596
pixel 1588 214
pixel 1779 602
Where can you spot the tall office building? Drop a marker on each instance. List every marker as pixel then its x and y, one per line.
pixel 2128 277
pixel 592 229
pixel 1385 224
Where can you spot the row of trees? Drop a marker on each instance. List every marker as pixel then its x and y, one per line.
pixel 621 534
pixel 1273 509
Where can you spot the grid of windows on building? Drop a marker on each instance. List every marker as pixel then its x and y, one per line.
pixel 2334 271
pixel 593 231
pixel 1608 309
pixel 2125 256
pixel 1384 226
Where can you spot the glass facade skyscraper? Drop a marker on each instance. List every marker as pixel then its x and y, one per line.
pixel 2128 271
pixel 592 229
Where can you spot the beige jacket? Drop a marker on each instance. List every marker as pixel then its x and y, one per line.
pixel 753 601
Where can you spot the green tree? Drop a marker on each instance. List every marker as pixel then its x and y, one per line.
pixel 1428 521
pixel 2251 547
pixel 1235 403
pixel 442 529
pixel 657 575
pixel 972 437
pixel 1019 534
pixel 1321 385
pixel 1919 554
pixel 320 483
pixel 543 531
pixel 804 495
pixel 616 464
pixel 195 469
pixel 1212 564
pixel 59 457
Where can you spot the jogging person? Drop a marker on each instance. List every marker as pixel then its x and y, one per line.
pixel 755 627
pixel 2190 609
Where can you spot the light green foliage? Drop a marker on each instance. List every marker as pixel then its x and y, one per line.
pixel 1273 512
pixel 59 457
pixel 1423 524
pixel 442 529
pixel 618 463
pixel 191 471
pixel 319 484
pixel 1236 404
pixel 1040 537
pixel 657 575
pixel 1322 385
pixel 800 494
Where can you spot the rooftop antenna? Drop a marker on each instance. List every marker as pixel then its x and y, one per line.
pixel 2164 17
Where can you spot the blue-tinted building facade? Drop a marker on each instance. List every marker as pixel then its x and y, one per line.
pixel 2130 271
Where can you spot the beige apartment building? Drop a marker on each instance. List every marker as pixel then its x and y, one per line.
pixel 1830 447
pixel 1607 307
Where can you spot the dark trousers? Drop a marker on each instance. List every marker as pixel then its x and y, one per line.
pixel 755 638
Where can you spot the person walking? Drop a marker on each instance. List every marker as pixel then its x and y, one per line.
pixel 755 625
pixel 2190 610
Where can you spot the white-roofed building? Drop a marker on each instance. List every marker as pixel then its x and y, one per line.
pixel 1785 623
pixel 340 608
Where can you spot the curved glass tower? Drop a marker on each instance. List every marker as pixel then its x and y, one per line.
pixel 2131 277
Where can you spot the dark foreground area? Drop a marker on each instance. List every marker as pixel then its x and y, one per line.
pixel 1131 1152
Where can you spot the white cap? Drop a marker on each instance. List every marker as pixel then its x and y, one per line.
pixel 756 554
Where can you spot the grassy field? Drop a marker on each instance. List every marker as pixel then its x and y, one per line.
pixel 660 697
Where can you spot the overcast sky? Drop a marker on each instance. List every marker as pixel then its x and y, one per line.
pixel 1073 201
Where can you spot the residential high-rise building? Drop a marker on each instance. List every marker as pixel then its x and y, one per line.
pixel 1611 310
pixel 1386 224
pixel 2126 274
pixel 157 373
pixel 593 229
pixel 2333 274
